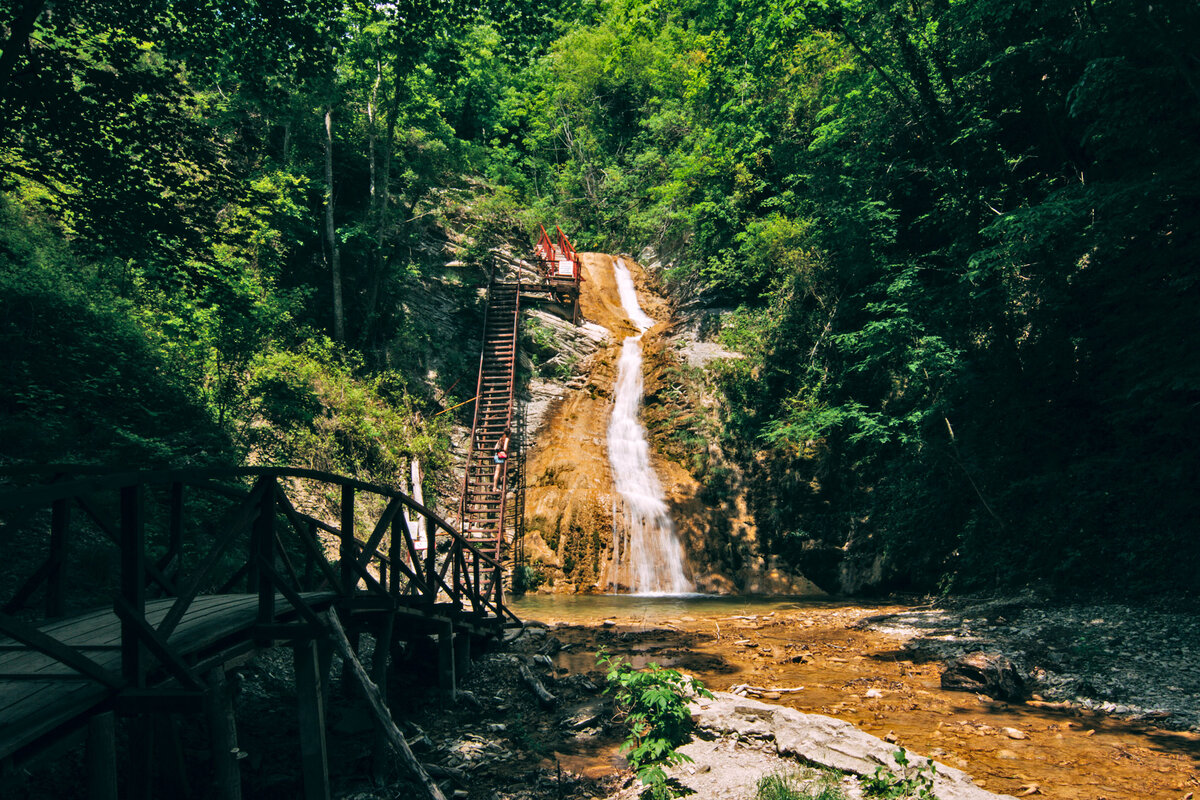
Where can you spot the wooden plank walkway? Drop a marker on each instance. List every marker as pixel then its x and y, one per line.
pixel 32 706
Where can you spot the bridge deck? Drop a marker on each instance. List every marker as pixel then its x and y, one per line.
pixel 31 706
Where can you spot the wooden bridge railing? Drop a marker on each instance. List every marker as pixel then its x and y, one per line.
pixel 261 543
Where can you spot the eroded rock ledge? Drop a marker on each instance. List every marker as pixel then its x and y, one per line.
pixel 821 741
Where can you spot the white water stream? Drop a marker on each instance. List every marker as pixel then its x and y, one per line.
pixel 647 555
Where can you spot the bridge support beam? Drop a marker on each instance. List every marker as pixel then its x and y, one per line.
pixel 381 756
pixel 462 655
pixel 141 756
pixel 222 726
pixel 102 757
pixel 445 671
pixel 314 753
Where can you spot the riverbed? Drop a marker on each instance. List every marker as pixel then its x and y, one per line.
pixel 874 666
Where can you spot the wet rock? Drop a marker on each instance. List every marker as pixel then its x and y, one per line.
pixel 985 673
pixel 584 716
pixel 820 740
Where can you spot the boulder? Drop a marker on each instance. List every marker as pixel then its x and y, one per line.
pixel 826 741
pixel 985 673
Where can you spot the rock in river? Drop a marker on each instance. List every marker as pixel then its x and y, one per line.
pixel 985 673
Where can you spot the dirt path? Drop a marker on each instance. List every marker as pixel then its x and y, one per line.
pixel 869 679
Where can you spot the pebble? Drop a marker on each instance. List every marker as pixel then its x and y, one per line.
pixel 1013 733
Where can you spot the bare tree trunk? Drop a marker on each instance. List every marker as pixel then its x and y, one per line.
pixel 20 27
pixel 372 104
pixel 385 179
pixel 335 261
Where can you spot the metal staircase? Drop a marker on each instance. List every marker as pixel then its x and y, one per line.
pixel 485 494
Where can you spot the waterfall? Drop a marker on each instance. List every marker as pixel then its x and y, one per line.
pixel 651 560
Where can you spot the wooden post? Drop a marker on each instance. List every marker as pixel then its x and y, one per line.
pixel 325 664
pixel 445 637
pixel 498 585
pixel 102 757
pixel 457 554
pixel 355 639
pixel 309 561
pixel 141 757
pixel 173 771
pixel 171 563
pixel 380 757
pixel 262 550
pixel 430 562
pixel 60 521
pixel 462 655
pixel 133 583
pixel 222 726
pixel 314 755
pixel 477 597
pixel 396 552
pixel 346 550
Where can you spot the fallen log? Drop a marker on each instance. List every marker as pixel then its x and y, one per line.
pixel 744 689
pixel 382 715
pixel 544 697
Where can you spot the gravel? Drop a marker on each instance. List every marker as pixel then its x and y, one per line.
pixel 1137 662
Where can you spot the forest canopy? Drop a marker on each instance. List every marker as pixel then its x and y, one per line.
pixel 955 241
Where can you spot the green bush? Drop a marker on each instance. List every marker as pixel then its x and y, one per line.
pixel 527 578
pixel 888 784
pixel 654 704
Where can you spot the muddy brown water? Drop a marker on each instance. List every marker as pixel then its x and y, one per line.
pixel 810 643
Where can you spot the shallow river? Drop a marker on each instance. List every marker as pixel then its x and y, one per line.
pixel 829 663
pixel 583 609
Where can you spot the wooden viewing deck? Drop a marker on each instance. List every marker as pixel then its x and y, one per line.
pixel 214 564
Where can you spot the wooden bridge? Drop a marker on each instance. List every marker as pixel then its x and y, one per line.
pixel 152 585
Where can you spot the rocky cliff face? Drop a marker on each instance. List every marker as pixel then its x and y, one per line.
pixel 570 496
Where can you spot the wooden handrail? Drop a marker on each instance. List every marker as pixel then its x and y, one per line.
pixel 259 504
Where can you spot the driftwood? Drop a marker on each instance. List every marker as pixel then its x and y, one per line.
pixel 384 717
pixel 544 697
pixel 743 689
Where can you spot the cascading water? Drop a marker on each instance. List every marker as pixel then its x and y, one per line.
pixel 650 560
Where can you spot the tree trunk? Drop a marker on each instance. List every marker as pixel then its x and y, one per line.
pixel 335 261
pixel 384 184
pixel 20 28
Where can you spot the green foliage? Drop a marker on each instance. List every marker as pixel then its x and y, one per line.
pixel 654 705
pixel 958 249
pixel 527 578
pixel 84 382
pixel 908 782
pixel 788 786
pixel 321 415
